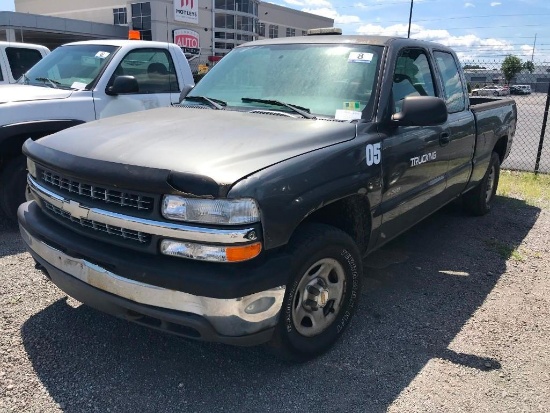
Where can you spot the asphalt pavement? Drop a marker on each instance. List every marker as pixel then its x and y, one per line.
pixel 528 133
pixel 454 317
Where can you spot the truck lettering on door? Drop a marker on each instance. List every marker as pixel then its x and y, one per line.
pixel 419 160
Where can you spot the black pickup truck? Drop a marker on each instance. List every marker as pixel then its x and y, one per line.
pixel 242 215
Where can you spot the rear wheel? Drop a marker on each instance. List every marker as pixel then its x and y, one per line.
pixel 495 93
pixel 13 180
pixel 478 200
pixel 475 94
pixel 322 294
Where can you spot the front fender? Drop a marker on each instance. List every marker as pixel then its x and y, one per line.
pixel 13 135
pixel 290 191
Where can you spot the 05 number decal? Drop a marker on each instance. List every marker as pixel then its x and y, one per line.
pixel 373 154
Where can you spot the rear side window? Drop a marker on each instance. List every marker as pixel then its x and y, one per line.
pixel 454 90
pixel 21 59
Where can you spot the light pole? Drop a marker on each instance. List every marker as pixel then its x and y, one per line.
pixel 410 18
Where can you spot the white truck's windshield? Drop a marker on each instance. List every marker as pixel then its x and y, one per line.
pixel 327 79
pixel 69 67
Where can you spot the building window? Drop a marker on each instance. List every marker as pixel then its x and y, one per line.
pixel 120 16
pixel 290 32
pixel 244 6
pixel 141 19
pixel 224 21
pixel 273 31
pixel 261 29
pixel 304 32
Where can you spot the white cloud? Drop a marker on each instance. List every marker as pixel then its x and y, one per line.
pixel 495 3
pixel 474 45
pixel 326 9
pixel 310 3
pixel 469 5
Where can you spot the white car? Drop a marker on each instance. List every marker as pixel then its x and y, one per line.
pixel 77 83
pixel 491 90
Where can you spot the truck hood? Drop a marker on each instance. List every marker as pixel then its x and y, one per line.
pixel 222 145
pixel 24 93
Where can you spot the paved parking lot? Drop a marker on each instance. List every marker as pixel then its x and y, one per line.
pixel 526 142
pixel 454 317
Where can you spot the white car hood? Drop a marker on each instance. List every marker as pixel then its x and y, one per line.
pixel 25 93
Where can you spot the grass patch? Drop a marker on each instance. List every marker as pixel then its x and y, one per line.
pixel 505 251
pixel 531 188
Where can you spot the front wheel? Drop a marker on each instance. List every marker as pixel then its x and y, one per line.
pixel 13 180
pixel 495 94
pixel 478 201
pixel 322 294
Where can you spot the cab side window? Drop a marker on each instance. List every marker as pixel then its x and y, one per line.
pixel 452 83
pixel 152 68
pixel 21 60
pixel 412 77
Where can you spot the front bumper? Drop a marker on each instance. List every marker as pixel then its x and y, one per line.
pixel 228 320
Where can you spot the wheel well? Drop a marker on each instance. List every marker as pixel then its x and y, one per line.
pixel 11 147
pixel 500 147
pixel 351 215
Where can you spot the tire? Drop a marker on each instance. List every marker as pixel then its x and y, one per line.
pixel 475 94
pixel 321 295
pixel 478 200
pixel 13 181
pixel 495 93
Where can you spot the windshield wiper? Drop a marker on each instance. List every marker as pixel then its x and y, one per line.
pixel 305 112
pixel 215 103
pixel 54 83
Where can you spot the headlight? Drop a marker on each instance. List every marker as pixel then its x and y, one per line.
pixel 211 211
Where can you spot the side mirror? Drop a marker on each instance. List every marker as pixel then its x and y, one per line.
pixel 123 85
pixel 421 111
pixel 185 91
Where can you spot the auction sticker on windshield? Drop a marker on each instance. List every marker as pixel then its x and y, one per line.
pixel 360 57
pixel 102 55
pixel 342 114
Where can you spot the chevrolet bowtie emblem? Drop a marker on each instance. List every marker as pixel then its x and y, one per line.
pixel 75 209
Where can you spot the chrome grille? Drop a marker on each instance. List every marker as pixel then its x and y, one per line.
pixel 124 199
pixel 128 234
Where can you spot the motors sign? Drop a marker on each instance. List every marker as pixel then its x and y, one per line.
pixel 186 11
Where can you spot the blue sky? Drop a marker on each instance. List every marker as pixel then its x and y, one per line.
pixel 477 29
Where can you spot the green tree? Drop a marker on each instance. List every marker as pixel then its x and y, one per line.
pixel 529 66
pixel 511 66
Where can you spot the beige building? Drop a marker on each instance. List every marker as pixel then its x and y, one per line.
pixel 202 27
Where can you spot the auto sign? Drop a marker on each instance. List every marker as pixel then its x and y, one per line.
pixel 188 40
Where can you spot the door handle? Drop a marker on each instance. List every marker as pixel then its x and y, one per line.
pixel 444 138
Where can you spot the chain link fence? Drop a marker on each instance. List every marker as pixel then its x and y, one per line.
pixel 530 88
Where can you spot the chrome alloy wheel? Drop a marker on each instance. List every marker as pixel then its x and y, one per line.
pixel 318 297
pixel 490 184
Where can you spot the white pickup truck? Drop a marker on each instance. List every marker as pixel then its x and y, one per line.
pixel 17 58
pixel 80 82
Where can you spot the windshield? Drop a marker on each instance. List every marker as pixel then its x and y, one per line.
pixel 69 67
pixel 329 80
